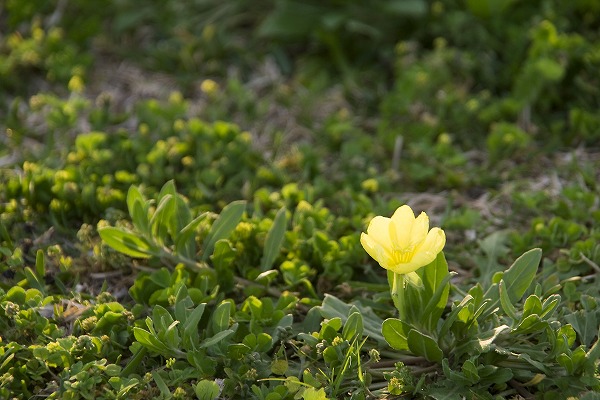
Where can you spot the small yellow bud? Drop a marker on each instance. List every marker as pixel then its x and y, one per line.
pixel 143 129
pixel 209 87
pixel 76 84
pixel 179 125
pixel 444 138
pixel 370 185
pixel 175 97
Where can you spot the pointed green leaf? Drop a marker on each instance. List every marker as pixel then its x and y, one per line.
pixel 437 303
pixel 221 316
pixel 217 338
pixel 182 303
pixel 274 240
pixel 585 324
pixel 185 241
pixel 223 226
pixel 127 243
pixel 424 345
pixel 138 209
pixel 150 341
pixel 160 220
pixel 549 306
pixel 190 327
pixel 519 276
pixel 333 307
pixel 531 323
pixel 160 383
pixel 40 263
pixel 533 305
pixel 453 315
pixel 167 189
pixel 353 327
pixel 507 306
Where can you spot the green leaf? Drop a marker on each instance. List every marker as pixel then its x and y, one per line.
pixel 274 240
pixel 533 305
pixel 40 264
pixel 333 307
pixel 167 189
pixel 223 255
pixel 549 306
pixel 190 327
pixel 150 341
pixel 453 315
pixel 185 241
pixel 519 276
pixel 353 326
pixel 470 372
pixel 440 282
pixel 585 324
pixel 33 280
pixel 164 389
pixel 161 219
pixel 279 367
pixel 424 345
pixel 291 19
pixel 127 243
pixel 531 323
pixel 217 338
pixel 314 394
pixel 223 226
pixel 395 333
pixel 138 209
pixel 221 316
pixel 507 306
pixel 182 303
pixel 592 355
pixel 207 390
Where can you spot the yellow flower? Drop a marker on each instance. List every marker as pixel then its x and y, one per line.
pixel 403 243
pixel 209 87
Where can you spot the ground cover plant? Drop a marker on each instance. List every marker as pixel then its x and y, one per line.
pixel 299 200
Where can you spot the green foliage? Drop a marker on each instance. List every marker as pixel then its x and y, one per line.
pixel 206 244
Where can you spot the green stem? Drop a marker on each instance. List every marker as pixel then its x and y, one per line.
pixel 397 291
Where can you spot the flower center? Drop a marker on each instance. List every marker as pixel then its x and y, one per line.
pixel 404 255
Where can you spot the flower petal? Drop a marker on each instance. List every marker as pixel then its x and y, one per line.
pixel 419 229
pixel 433 243
pixel 406 268
pixel 376 251
pixel 401 226
pixel 379 229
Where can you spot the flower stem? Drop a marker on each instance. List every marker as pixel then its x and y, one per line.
pixel 397 291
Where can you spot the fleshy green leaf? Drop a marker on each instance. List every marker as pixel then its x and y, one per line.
pixel 223 226
pixel 333 307
pixel 126 242
pixel 395 333
pixel 424 345
pixel 314 394
pixel 274 240
pixel 507 306
pixel 185 242
pixel 217 338
pixel 220 317
pixel 519 276
pixel 353 326
pixel 207 390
